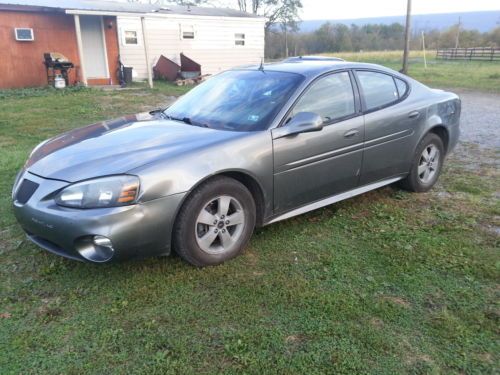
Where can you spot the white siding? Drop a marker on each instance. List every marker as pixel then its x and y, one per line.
pixel 213 46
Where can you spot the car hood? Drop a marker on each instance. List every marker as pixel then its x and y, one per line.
pixel 118 146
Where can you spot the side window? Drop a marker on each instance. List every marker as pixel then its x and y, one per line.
pixel 239 39
pixel 187 32
pixel 130 37
pixel 402 87
pixel 379 89
pixel 331 97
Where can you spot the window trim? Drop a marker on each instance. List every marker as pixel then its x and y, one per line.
pixel 355 91
pixel 364 109
pixel 32 39
pixel 124 37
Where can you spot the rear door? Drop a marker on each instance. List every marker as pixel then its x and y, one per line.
pixel 312 166
pixel 390 123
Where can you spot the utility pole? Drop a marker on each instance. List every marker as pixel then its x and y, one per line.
pixel 423 47
pixel 407 39
pixel 457 37
pixel 286 40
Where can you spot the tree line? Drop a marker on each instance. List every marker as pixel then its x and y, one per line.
pixel 335 37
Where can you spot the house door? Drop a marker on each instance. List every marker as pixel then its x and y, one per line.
pixel 94 51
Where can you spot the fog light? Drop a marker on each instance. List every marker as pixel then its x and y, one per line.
pixel 97 249
pixel 102 241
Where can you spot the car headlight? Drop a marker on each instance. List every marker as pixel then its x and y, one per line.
pixel 101 192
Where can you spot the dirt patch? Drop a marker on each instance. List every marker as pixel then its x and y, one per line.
pixel 293 339
pixel 377 323
pixel 397 300
pixel 418 358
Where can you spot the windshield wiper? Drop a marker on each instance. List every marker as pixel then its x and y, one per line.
pixel 186 120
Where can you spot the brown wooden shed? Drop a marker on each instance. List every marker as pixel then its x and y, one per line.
pixel 83 31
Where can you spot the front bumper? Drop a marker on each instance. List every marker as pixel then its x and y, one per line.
pixel 138 230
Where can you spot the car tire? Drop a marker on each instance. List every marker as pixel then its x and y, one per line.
pixel 215 222
pixel 426 165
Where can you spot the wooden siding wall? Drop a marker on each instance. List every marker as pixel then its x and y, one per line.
pixel 21 63
pixel 213 46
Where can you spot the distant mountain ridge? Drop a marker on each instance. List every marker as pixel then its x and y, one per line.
pixel 482 21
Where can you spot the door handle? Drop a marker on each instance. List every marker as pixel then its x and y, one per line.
pixel 350 133
pixel 414 114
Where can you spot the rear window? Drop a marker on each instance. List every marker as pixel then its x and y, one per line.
pixel 378 89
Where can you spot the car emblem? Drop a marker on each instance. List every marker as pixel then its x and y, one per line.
pixel 42 223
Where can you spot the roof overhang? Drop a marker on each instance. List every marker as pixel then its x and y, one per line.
pixel 29 8
pixel 104 13
pixel 158 15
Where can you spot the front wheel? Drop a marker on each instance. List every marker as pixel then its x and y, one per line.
pixel 426 165
pixel 215 223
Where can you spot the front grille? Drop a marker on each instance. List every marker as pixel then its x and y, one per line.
pixel 25 191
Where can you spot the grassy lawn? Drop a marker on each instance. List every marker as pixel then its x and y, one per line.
pixel 385 283
pixel 480 75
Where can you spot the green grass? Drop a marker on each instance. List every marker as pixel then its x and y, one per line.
pixel 385 283
pixel 479 75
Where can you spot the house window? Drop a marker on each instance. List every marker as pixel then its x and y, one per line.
pixel 24 34
pixel 187 32
pixel 130 37
pixel 239 39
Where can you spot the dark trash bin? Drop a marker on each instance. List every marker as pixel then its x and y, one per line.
pixel 127 74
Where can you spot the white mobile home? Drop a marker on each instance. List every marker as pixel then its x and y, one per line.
pixel 217 39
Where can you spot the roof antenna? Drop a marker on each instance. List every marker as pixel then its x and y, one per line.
pixel 261 67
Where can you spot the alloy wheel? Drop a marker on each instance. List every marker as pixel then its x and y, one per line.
pixel 219 225
pixel 429 164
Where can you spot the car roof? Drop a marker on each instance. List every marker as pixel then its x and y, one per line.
pixel 314 67
pixel 313 58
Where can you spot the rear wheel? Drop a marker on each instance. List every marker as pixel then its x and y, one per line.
pixel 215 223
pixel 426 164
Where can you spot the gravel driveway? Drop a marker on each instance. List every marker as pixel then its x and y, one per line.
pixel 480 121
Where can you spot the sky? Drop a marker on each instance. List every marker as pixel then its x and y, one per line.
pixel 348 9
pixel 336 9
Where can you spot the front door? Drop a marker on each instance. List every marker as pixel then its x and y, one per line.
pixel 311 166
pixel 94 51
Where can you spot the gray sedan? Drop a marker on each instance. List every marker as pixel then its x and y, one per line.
pixel 247 148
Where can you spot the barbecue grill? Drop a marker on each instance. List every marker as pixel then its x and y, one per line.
pixel 56 62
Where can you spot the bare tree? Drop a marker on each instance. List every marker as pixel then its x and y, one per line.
pixel 242 4
pixel 276 11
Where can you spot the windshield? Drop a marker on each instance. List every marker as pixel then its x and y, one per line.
pixel 236 100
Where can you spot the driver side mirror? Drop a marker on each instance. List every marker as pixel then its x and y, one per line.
pixel 302 122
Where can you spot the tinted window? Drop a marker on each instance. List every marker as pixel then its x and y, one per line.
pixel 236 100
pixel 331 97
pixel 378 89
pixel 402 86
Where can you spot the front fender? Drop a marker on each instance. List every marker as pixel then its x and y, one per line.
pixel 250 154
